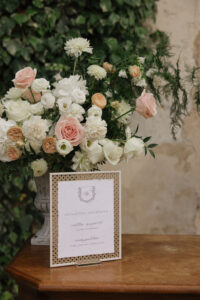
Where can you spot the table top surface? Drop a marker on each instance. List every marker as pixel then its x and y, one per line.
pixel 150 263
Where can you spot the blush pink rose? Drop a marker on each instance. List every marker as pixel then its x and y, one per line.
pixel 146 105
pixel 29 96
pixel 24 78
pixel 70 129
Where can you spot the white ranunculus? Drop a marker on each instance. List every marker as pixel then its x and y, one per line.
pixel 76 111
pixel 133 147
pixel 123 107
pixel 48 100
pixel 4 141
pixel 37 108
pixel 64 147
pixel 35 131
pixel 81 162
pixel 14 93
pixel 40 85
pixel 78 96
pixel 123 74
pixel 112 152
pixel 17 110
pixel 39 167
pixel 64 104
pixel 97 72
pixel 94 151
pixel 1 109
pixel 76 46
pixel 96 128
pixel 94 111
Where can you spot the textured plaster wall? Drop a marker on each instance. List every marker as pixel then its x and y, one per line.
pixel 163 195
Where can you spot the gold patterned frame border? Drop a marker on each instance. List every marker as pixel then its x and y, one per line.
pixel 87 259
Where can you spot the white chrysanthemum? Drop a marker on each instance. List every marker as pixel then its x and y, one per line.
pixel 35 130
pixel 64 147
pixel 94 111
pixel 112 151
pixel 96 129
pixel 96 71
pixel 133 147
pixel 78 96
pixel 17 110
pixel 75 47
pixel 123 74
pixel 48 100
pixel 76 111
pixel 14 93
pixel 66 86
pixel 94 151
pixel 39 167
pixel 4 141
pixel 40 85
pixel 37 108
pixel 123 107
pixel 81 162
pixel 64 104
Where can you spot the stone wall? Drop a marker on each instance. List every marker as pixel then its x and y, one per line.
pixel 162 196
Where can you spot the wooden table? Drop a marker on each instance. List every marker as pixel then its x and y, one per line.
pixel 153 267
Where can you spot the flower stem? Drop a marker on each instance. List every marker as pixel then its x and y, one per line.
pixel 130 110
pixel 75 64
pixel 32 94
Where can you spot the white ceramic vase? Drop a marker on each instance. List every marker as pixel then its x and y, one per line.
pixel 42 202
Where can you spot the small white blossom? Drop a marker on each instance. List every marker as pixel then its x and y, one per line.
pixel 94 150
pixel 123 107
pixel 141 83
pixel 75 47
pixel 96 128
pixel 48 100
pixel 39 167
pixel 40 85
pixel 64 104
pixel 133 147
pixel 112 152
pixel 64 147
pixel 76 111
pixel 78 96
pixel 94 111
pixel 97 72
pixel 123 74
pixel 81 162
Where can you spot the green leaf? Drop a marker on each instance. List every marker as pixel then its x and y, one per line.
pixel 11 46
pixel 112 43
pixel 145 140
pixel 80 20
pixel 20 18
pixel 13 237
pixel 152 145
pixel 105 5
pixel 152 153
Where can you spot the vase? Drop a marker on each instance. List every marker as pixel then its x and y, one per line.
pixel 42 202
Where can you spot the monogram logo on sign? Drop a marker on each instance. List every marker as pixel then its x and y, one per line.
pixel 87 193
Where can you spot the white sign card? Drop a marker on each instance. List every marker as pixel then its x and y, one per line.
pixel 85 219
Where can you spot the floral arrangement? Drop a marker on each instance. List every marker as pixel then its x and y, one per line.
pixel 78 121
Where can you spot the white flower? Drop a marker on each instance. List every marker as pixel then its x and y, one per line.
pixel 96 129
pixel 48 100
pixel 35 131
pixel 78 96
pixel 141 59
pixel 76 111
pixel 158 81
pixel 75 47
pixel 94 151
pixel 39 167
pixel 37 108
pixel 14 93
pixel 64 147
pixel 1 109
pixel 112 152
pixel 108 94
pixel 66 86
pixel 123 74
pixel 141 82
pixel 96 71
pixel 122 108
pixel 81 162
pixel 4 141
pixel 57 77
pixel 64 104
pixel 40 85
pixel 150 72
pixel 133 147
pixel 128 133
pixel 94 111
pixel 17 110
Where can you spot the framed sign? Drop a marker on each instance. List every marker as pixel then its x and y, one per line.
pixel 85 217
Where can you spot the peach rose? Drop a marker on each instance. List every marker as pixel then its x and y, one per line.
pixel 134 71
pixel 15 134
pixel 24 78
pixel 14 153
pixel 146 105
pixel 49 145
pixel 108 67
pixel 29 96
pixel 99 100
pixel 70 129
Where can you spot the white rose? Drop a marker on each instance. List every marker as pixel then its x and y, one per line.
pixel 17 110
pixel 95 111
pixel 64 147
pixel 39 167
pixel 14 93
pixel 63 104
pixel 94 151
pixel 133 147
pixel 112 152
pixel 81 162
pixel 76 111
pixel 78 96
pixel 37 108
pixel 96 128
pixel 48 100
pixel 40 85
